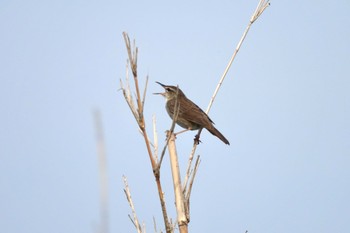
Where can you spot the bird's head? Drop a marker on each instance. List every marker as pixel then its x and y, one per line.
pixel 170 91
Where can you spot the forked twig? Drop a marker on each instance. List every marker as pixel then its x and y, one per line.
pixel 127 94
pixel 189 168
pixel 134 219
pixel 187 191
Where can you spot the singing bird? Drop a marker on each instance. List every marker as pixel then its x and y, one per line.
pixel 190 116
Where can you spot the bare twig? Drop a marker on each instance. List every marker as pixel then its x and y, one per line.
pixel 132 54
pixel 144 93
pixel 155 225
pixel 189 168
pixel 155 139
pixel 128 96
pixel 258 11
pixel 134 219
pixel 262 5
pixel 187 191
pixel 196 165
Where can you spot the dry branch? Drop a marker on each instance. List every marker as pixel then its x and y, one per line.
pixel 182 219
pixel 133 219
pixel 137 110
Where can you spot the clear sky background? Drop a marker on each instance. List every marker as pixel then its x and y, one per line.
pixel 284 107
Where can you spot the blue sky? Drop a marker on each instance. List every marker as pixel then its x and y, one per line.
pixel 284 107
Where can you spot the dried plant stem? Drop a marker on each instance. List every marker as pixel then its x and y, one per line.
pixel 155 138
pixel 258 11
pixel 189 168
pixel 134 219
pixel 189 188
pixel 138 114
pixel 182 220
pixel 262 5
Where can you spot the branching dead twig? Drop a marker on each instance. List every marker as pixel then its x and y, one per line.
pixel 127 94
pixel 187 191
pixel 133 219
pixel 137 110
pixel 189 169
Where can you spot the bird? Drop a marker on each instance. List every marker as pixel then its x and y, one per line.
pixel 190 116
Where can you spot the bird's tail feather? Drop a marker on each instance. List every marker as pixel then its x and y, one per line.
pixel 217 133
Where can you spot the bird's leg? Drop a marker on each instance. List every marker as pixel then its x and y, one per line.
pixel 167 132
pixel 196 138
pixel 182 131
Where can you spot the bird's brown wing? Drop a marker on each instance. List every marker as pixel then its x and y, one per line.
pixel 192 113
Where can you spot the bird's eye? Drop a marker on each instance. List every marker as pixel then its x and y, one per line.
pixel 168 89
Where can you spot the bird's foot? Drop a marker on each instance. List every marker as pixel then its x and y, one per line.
pixel 168 135
pixel 196 139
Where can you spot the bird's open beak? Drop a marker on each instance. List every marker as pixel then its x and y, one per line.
pixel 163 94
pixel 161 84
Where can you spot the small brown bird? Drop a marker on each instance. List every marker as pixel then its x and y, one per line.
pixel 190 116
